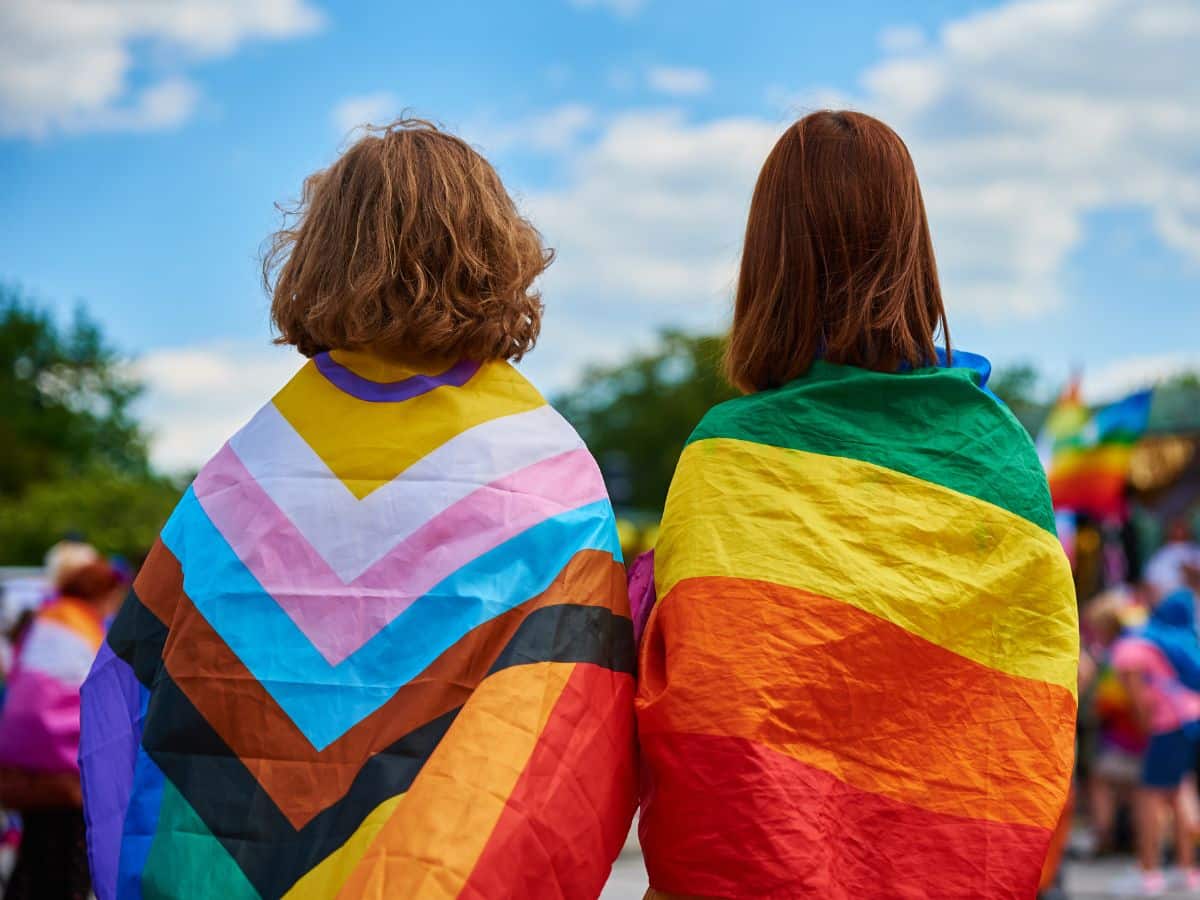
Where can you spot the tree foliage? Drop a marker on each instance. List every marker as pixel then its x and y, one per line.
pixel 637 415
pixel 1018 387
pixel 73 458
pixel 119 513
pixel 66 399
pixel 1176 405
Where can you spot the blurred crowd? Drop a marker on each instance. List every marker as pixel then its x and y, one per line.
pixel 1139 724
pixel 51 627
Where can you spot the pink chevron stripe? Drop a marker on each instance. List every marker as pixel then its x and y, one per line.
pixel 338 617
pixel 41 723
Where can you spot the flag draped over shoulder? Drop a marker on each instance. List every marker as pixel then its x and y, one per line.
pixel 381 649
pixel 859 678
pixel 1090 452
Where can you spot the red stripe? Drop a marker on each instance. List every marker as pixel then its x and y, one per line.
pixel 568 815
pixel 726 817
pixel 1097 491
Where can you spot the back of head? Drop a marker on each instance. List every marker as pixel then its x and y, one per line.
pixel 1103 615
pixel 838 263
pixel 408 244
pixel 67 557
pixel 93 582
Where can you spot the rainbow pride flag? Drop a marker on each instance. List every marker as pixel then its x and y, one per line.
pixel 381 649
pixel 1090 452
pixel 860 677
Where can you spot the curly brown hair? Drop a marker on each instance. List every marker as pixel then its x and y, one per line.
pixel 409 243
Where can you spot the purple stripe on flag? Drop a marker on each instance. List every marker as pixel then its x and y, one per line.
pixel 112 731
pixel 394 391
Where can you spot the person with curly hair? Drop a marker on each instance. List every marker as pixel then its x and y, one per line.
pixel 382 646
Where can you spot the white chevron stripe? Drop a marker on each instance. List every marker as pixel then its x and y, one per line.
pixel 351 534
pixel 54 649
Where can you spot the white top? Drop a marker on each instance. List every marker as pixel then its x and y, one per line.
pixel 1165 570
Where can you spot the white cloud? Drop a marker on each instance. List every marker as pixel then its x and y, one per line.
pixel 901 38
pixel 1026 118
pixel 678 81
pixel 377 108
pixel 69 65
pixel 1023 121
pixel 160 107
pixel 1123 377
pixel 651 219
pixel 197 396
pixel 555 131
pixel 623 8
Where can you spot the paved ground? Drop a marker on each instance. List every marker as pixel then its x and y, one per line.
pixel 1100 880
pixel 1084 881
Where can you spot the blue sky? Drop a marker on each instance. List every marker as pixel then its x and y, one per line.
pixel 142 148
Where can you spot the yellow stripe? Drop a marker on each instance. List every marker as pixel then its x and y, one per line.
pixel 368 444
pixel 327 878
pixel 962 573
pixel 1108 457
pixel 384 368
pixel 431 844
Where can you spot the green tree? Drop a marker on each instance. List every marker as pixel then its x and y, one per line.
pixel 637 415
pixel 1176 406
pixel 66 399
pixel 73 457
pixel 117 512
pixel 1018 386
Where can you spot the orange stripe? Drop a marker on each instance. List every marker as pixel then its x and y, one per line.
pixel 77 615
pixel 856 696
pixel 431 843
pixel 568 816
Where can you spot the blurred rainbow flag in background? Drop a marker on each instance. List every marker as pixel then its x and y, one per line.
pixel 1087 452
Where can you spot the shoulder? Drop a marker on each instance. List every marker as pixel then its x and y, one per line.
pixel 937 425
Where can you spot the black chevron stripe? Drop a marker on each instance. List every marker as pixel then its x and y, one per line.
pixel 240 814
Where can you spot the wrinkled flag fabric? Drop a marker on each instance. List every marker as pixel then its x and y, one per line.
pixel 39 727
pixel 859 680
pixel 382 648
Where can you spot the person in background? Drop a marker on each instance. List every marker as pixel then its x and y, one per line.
pixel 39 732
pixel 1177 563
pixel 1158 666
pixel 66 557
pixel 1121 740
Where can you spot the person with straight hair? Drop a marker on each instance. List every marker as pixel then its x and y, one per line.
pixel 382 647
pixel 858 679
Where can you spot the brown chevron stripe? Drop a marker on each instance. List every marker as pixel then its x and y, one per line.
pixel 259 732
pixel 231 802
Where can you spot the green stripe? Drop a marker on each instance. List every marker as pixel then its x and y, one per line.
pixel 186 855
pixel 934 424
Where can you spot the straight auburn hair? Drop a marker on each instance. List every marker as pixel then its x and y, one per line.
pixel 838 262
